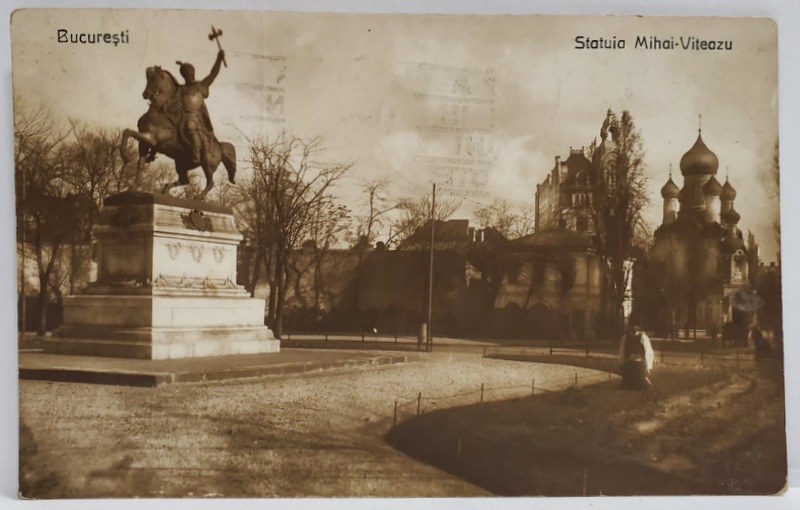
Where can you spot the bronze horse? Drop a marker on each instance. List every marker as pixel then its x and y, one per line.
pixel 159 132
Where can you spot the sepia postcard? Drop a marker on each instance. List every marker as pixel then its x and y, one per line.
pixel 311 255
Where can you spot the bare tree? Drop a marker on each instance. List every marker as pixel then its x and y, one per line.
pixel 285 201
pixel 512 222
pixel 413 213
pixel 374 209
pixel 93 170
pixel 327 222
pixel 44 215
pixel 618 196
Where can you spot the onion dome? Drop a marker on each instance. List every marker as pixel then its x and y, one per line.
pixel 712 187
pixel 731 243
pixel 699 160
pixel 728 193
pixel 732 217
pixel 670 189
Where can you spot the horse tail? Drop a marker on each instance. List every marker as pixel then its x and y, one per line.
pixel 229 160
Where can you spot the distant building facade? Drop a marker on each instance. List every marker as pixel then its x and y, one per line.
pixel 564 195
pixel 551 287
pixel 553 279
pixel 386 291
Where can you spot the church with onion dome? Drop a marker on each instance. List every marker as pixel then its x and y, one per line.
pixel 699 252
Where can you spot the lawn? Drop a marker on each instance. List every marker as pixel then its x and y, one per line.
pixel 696 431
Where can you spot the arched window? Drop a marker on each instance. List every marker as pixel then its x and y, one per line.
pixel 611 177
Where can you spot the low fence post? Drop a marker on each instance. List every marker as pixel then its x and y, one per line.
pixel 481 393
pixel 533 387
pixel 576 379
pixel 362 335
pixel 394 420
pixel 419 402
pixel 326 337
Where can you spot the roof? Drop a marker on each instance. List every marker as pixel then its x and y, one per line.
pixel 732 242
pixel 732 216
pixel 556 237
pixel 691 227
pixel 670 189
pixel 578 169
pixel 712 187
pixel 451 233
pixel 699 159
pixel 728 192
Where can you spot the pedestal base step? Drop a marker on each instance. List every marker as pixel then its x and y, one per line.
pixel 142 372
pixel 163 344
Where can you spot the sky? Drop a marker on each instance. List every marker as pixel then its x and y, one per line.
pixel 381 90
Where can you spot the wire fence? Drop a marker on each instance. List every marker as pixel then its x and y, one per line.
pixel 738 358
pixel 408 407
pixel 423 402
pixel 359 339
pixel 354 336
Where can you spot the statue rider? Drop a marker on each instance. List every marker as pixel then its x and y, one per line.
pixel 196 127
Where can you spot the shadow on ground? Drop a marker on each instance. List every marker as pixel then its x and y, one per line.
pixel 33 482
pixel 695 432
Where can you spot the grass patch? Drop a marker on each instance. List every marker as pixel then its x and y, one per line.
pixel 696 431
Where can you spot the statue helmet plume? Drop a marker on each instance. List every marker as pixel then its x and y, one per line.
pixel 186 70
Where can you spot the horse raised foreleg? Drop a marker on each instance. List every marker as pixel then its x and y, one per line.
pixel 123 145
pixel 147 142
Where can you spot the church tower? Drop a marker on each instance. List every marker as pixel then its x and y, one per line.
pixel 698 166
pixel 698 248
pixel 712 190
pixel 727 197
pixel 670 193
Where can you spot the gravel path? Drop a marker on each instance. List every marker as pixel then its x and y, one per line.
pixel 297 436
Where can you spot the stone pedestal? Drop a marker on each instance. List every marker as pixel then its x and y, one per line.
pixel 166 286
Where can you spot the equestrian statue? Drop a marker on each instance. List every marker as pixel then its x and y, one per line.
pixel 177 124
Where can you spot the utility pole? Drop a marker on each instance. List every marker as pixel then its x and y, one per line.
pixel 430 269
